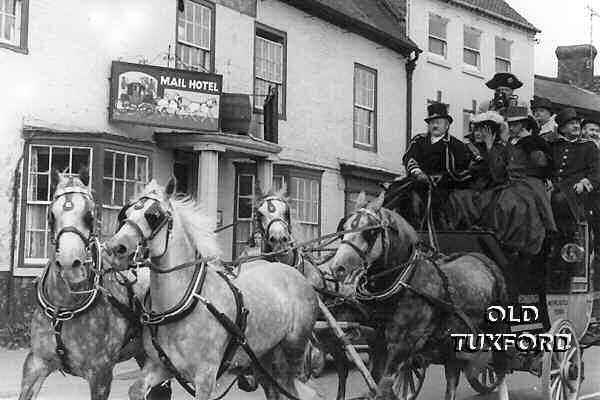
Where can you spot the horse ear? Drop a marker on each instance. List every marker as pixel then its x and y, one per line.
pixel 55 178
pixel 377 203
pixel 283 191
pixel 84 175
pixel 361 201
pixel 171 186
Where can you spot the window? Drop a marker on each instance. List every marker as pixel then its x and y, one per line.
pixel 13 24
pixel 305 207
pixel 472 48
pixel 42 159
pixel 120 167
pixel 502 55
pixel 365 107
pixel 467 113
pixel 125 175
pixel 195 35
pixel 269 66
pixel 243 211
pixel 437 35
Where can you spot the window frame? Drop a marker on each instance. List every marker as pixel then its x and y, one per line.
pixel 357 144
pixel 496 57
pixel 98 143
pixel 274 35
pixel 430 35
pixel 288 172
pixel 470 29
pixel 23 22
pixel 213 19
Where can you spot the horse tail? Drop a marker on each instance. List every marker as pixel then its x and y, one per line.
pixel 501 291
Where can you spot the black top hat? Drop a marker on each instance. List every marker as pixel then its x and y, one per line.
pixel 566 115
pixel 504 79
pixel 541 102
pixel 593 118
pixel 438 110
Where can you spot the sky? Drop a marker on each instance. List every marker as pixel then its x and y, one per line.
pixel 562 22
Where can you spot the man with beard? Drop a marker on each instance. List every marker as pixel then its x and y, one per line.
pixel 434 159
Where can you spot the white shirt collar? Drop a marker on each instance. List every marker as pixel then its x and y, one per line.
pixel 434 140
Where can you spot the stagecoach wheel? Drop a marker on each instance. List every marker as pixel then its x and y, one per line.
pixel 485 382
pixel 409 378
pixel 562 371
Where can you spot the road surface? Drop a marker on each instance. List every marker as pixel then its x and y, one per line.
pixel 521 386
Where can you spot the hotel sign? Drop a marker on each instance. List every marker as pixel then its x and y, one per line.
pixel 165 97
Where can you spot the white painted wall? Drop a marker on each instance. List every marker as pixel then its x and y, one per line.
pixel 458 87
pixel 63 83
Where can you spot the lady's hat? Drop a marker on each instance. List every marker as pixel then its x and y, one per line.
pixel 438 110
pixel 492 116
pixel 504 79
pixel 516 113
pixel 565 116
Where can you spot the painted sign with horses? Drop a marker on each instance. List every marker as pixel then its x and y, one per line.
pixel 164 97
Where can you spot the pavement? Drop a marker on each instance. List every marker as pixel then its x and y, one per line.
pixel 521 386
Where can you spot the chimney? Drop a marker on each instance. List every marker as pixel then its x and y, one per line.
pixel 576 64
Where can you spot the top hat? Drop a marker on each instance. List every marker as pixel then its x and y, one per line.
pixel 517 113
pixel 438 110
pixel 566 115
pixel 541 102
pixel 593 118
pixel 504 79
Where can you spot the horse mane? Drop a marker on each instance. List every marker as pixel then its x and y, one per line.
pixel 198 226
pixel 407 233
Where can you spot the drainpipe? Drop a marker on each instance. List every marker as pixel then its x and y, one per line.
pixel 410 66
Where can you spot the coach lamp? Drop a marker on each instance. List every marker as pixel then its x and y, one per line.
pixel 572 253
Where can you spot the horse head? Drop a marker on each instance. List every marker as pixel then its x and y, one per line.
pixel 273 219
pixel 382 237
pixel 71 216
pixel 145 225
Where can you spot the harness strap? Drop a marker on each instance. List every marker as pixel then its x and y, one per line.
pixel 164 358
pixel 241 320
pixel 61 350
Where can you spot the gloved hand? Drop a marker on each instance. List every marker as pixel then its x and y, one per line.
pixel 583 185
pixel 421 177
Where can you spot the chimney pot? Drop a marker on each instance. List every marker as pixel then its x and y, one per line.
pixel 576 63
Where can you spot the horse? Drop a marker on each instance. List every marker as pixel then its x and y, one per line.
pixel 274 225
pixel 197 337
pixel 80 328
pixel 401 285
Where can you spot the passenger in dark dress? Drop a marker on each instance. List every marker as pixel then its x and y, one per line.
pixel 516 205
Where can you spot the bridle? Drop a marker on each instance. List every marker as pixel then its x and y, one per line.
pixel 286 221
pixel 156 217
pixel 370 236
pixel 68 192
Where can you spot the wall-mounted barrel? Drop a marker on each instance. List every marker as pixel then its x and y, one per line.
pixel 236 113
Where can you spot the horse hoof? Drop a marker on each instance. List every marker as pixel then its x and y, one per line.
pixel 160 392
pixel 247 383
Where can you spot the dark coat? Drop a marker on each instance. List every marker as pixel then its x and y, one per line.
pixel 448 156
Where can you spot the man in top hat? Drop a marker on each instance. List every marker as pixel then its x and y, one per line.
pixel 576 167
pixel 541 108
pixel 503 84
pixel 590 128
pixel 434 157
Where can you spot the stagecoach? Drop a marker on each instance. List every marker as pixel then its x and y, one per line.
pixel 562 282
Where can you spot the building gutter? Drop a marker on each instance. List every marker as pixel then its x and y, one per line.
pixel 410 66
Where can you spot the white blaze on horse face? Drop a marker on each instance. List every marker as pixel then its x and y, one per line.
pixel 70 252
pixel 277 233
pixel 347 259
